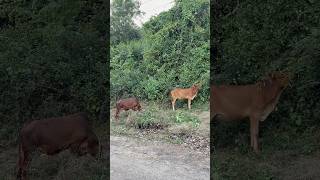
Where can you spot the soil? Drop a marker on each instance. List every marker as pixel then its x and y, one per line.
pixel 141 159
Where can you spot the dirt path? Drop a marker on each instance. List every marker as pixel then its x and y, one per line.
pixel 137 159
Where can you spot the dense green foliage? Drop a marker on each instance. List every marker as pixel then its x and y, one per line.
pixel 251 39
pixel 173 51
pixel 53 60
pixel 123 27
pixel 263 36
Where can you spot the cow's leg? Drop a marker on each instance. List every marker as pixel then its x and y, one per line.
pixel 116 114
pixel 20 162
pixel 23 163
pixel 256 137
pixel 173 103
pixel 189 104
pixel 254 133
pixel 251 132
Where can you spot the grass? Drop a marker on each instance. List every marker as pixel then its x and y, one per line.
pixel 163 122
pixel 285 154
pixel 63 166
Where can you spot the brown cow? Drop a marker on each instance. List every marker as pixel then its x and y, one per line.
pixel 180 93
pixel 255 101
pixel 127 104
pixel 54 135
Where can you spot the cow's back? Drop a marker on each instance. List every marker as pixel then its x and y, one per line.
pixel 233 101
pixel 56 132
pixel 127 103
pixel 181 93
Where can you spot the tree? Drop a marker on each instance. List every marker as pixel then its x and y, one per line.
pixel 257 37
pixel 53 60
pixel 172 52
pixel 123 27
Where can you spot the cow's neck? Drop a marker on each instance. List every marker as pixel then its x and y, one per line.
pixel 194 93
pixel 271 95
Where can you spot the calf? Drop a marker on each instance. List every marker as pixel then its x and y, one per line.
pixel 127 104
pixel 255 101
pixel 180 93
pixel 54 135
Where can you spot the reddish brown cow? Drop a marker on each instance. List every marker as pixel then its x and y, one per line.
pixel 255 101
pixel 54 135
pixel 180 93
pixel 127 104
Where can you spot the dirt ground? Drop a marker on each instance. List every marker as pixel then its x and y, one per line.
pixel 138 159
pixel 141 155
pixel 303 168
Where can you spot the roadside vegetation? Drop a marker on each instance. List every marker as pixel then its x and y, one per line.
pixel 253 38
pixel 183 126
pixel 170 50
pixel 53 62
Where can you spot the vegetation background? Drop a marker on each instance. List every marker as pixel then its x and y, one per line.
pixel 170 50
pixel 53 61
pixel 250 39
pixel 53 57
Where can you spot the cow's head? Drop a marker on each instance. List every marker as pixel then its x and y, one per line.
pixel 90 146
pixel 280 79
pixel 139 107
pixel 93 146
pixel 195 86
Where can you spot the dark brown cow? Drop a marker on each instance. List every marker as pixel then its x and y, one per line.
pixel 54 135
pixel 127 104
pixel 180 93
pixel 255 101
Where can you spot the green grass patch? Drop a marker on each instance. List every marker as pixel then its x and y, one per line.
pixel 154 116
pixel 180 117
pixel 158 120
pixel 280 150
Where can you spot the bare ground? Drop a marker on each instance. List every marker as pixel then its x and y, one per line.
pixel 145 155
pixel 303 168
pixel 138 159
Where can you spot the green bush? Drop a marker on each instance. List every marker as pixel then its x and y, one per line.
pixel 53 60
pixel 184 117
pixel 261 37
pixel 172 52
pixel 151 118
